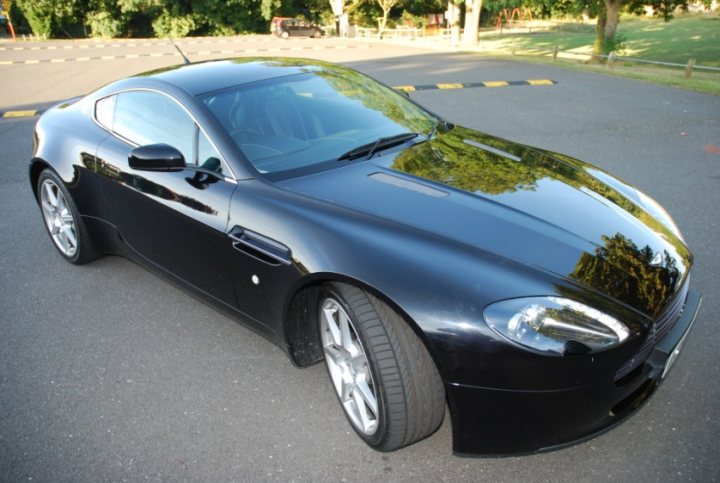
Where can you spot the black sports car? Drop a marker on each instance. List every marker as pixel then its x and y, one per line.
pixel 541 298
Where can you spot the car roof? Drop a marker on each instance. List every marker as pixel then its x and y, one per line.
pixel 199 78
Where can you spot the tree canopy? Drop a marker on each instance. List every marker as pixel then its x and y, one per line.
pixel 178 18
pixel 162 18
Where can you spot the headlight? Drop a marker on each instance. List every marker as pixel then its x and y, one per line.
pixel 555 325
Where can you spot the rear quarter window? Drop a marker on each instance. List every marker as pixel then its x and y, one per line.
pixel 105 111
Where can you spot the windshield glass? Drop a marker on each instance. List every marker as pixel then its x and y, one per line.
pixel 307 119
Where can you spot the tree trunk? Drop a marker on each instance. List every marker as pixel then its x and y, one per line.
pixel 599 35
pixel 472 22
pixel 613 17
pixel 383 23
pixel 337 9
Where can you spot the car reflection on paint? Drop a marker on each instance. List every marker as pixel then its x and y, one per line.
pixel 540 298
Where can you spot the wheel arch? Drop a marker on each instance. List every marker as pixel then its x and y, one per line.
pixel 37 166
pixel 300 330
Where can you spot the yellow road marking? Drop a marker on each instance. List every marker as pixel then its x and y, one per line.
pixel 32 61
pixel 540 82
pixel 57 60
pixel 495 84
pixel 449 86
pixel 132 56
pixel 19 113
pixel 6 62
pixel 107 57
pixel 406 88
pixel 156 54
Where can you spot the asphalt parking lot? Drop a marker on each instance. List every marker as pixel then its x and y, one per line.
pixel 109 373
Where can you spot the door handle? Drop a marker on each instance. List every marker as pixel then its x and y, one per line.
pixel 261 247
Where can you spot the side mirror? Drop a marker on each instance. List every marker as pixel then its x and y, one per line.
pixel 156 157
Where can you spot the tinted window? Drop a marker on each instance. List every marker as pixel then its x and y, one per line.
pixel 105 110
pixel 303 120
pixel 208 157
pixel 144 117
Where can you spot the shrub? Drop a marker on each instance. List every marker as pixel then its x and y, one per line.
pixel 104 25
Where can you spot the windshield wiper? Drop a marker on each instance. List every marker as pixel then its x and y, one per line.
pixel 369 149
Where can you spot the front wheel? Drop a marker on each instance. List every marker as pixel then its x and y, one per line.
pixel 384 377
pixel 285 34
pixel 62 220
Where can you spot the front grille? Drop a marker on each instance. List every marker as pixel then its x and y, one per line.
pixel 662 326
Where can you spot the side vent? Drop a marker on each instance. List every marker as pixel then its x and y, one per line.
pixel 408 185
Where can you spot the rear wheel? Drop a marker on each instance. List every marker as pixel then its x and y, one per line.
pixel 317 34
pixel 62 220
pixel 383 375
pixel 285 34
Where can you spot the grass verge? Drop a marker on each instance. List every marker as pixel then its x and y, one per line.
pixel 651 39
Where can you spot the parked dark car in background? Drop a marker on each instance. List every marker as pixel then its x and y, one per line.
pixel 298 28
pixel 542 299
pixel 274 23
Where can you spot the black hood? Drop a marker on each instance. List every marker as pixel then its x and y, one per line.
pixel 543 209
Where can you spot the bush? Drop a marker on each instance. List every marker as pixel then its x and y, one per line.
pixel 170 26
pixel 417 21
pixel 616 44
pixel 104 25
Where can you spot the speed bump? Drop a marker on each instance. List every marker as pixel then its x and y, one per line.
pixel 8 114
pixel 450 86
pixel 467 85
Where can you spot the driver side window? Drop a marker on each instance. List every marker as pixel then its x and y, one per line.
pixel 145 117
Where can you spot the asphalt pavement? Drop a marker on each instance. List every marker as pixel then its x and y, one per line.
pixel 109 373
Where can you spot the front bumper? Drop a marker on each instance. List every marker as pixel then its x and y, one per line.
pixel 496 422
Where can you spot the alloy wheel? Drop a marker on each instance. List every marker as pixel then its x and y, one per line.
pixel 348 367
pixel 58 218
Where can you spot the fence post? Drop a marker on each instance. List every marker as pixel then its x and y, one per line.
pixel 610 60
pixel 555 52
pixel 689 68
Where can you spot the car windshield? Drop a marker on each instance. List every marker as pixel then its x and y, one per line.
pixel 312 119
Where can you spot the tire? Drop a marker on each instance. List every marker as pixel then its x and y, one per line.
pixel 316 34
pixel 384 377
pixel 62 220
pixel 285 34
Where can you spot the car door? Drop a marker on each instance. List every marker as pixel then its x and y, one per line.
pixel 305 29
pixel 177 220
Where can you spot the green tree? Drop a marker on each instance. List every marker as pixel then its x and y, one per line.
pixel 48 18
pixel 386 6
